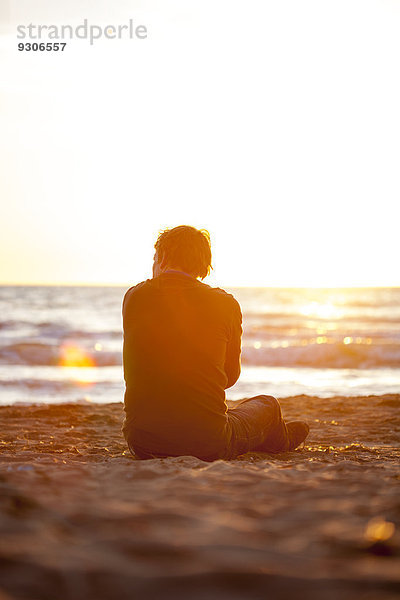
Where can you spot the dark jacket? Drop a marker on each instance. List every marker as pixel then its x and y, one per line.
pixel 182 341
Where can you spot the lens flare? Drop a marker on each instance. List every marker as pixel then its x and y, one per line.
pixel 74 356
pixel 78 362
pixel 379 530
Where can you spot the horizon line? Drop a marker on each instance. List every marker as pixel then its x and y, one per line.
pixel 254 286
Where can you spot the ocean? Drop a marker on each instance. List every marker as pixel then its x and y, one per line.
pixel 64 344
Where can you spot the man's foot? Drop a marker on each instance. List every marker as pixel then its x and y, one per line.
pixel 298 431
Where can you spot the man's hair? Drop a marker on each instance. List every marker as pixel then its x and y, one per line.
pixel 187 248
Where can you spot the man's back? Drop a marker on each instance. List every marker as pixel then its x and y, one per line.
pixel 181 350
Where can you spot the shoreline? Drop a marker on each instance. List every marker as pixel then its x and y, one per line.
pixel 81 518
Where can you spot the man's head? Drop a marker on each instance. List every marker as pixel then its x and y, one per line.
pixel 183 248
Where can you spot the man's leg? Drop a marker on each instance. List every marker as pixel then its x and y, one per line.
pixel 139 453
pixel 257 424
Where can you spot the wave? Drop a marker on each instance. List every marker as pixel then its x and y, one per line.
pixel 56 385
pixel 42 354
pixel 40 384
pixel 336 355
pixel 57 330
pixel 14 324
pixel 275 319
pixel 329 355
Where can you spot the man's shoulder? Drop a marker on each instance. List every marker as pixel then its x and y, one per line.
pixel 222 295
pixel 136 291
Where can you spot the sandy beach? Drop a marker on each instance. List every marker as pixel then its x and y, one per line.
pixel 82 519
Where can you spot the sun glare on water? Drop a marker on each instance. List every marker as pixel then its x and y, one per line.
pixel 326 310
pixel 78 362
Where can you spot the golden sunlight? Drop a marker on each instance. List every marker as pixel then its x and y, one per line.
pixel 72 355
pixel 80 375
pixel 324 311
pixel 77 362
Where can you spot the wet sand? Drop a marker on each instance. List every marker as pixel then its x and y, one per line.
pixel 81 519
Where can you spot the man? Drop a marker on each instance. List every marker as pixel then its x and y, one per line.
pixel 182 344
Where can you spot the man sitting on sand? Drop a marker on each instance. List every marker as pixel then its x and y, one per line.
pixel 182 344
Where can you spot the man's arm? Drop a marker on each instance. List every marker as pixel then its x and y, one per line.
pixel 233 349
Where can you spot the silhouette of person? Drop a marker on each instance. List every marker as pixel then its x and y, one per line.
pixel 182 345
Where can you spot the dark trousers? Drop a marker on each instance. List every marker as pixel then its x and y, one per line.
pixel 254 424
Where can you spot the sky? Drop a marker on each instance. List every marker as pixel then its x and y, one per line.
pixel 275 124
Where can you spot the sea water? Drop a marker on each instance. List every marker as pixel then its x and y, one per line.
pixel 64 344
